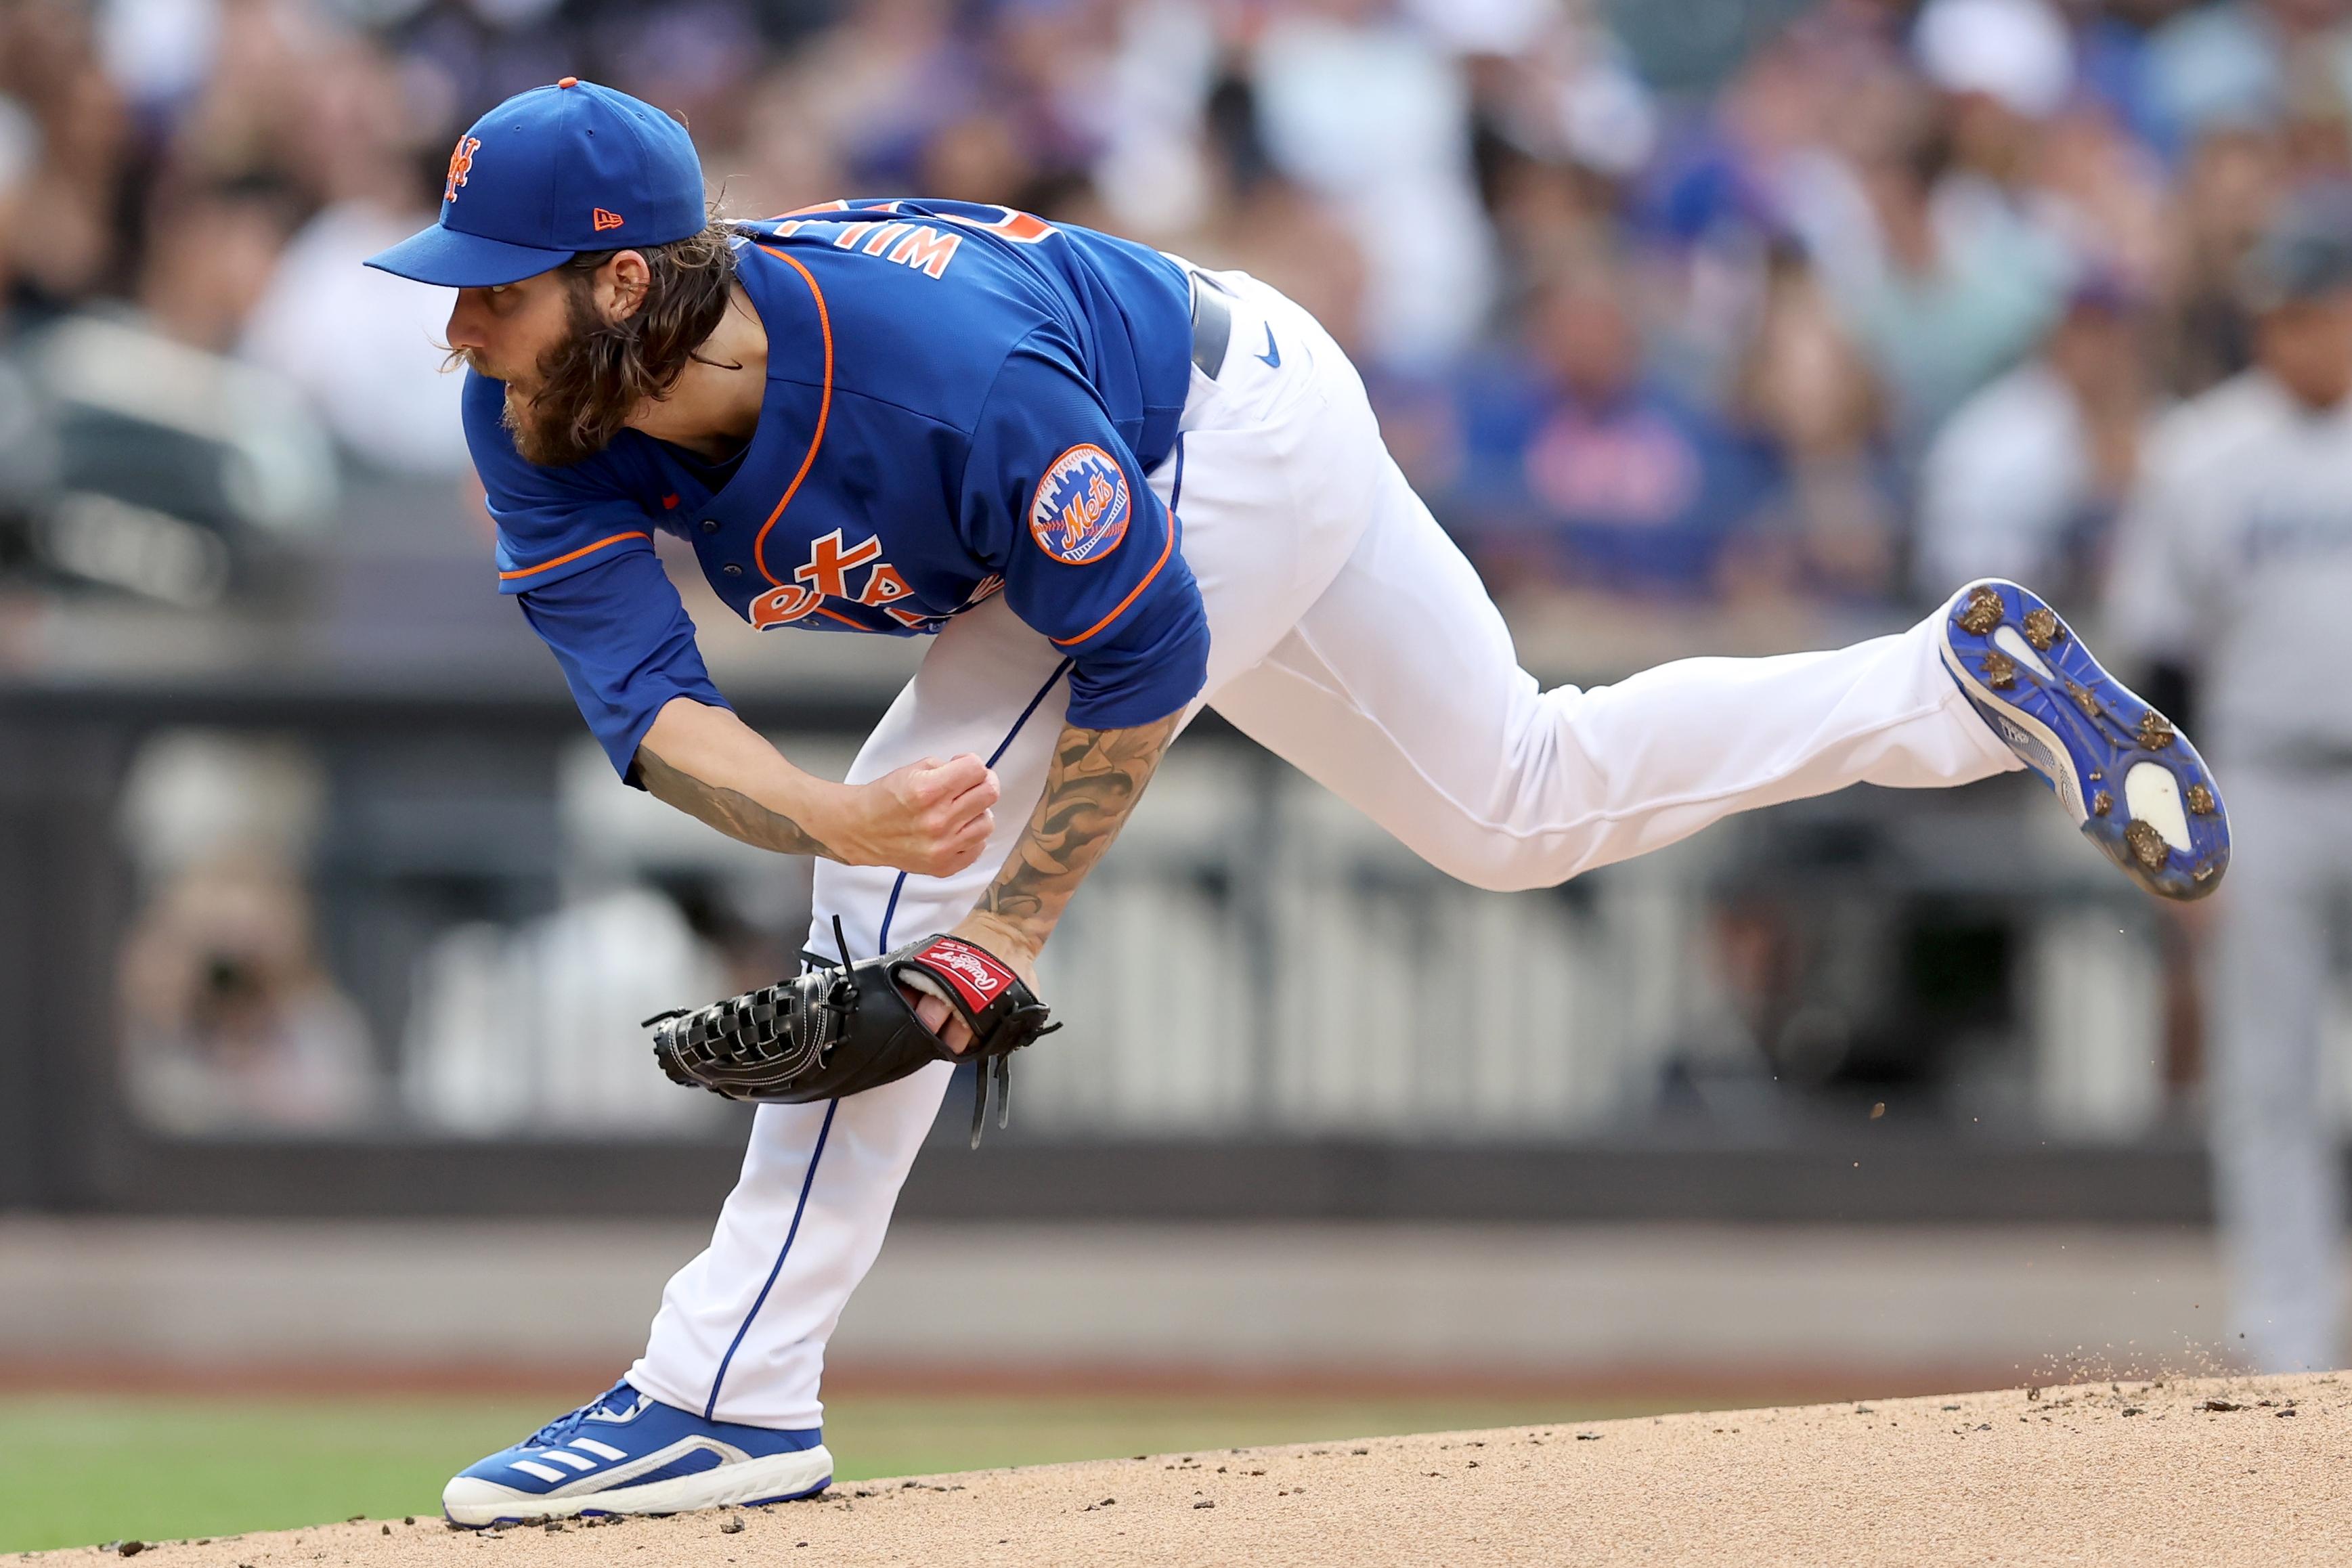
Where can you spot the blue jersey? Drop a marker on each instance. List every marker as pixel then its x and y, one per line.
pixel 962 401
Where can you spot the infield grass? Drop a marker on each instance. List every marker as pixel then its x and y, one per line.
pixel 76 1470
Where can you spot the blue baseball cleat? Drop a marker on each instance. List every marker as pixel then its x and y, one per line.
pixel 2136 787
pixel 626 1452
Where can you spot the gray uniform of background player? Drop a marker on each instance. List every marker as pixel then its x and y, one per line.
pixel 2235 561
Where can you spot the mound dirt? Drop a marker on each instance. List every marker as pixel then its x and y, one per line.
pixel 2207 1472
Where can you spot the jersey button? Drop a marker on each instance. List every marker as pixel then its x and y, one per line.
pixel 710 525
pixel 732 570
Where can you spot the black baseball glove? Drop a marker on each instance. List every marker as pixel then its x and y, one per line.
pixel 837 1030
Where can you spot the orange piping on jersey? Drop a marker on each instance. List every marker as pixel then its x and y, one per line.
pixel 845 620
pixel 823 409
pixel 1167 545
pixel 583 550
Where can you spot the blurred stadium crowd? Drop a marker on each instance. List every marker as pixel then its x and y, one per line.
pixel 1682 315
pixel 1886 297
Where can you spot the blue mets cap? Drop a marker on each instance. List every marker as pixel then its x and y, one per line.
pixel 551 172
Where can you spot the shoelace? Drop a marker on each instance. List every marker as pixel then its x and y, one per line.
pixel 560 1429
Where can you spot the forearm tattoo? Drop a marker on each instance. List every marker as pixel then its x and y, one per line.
pixel 1097 777
pixel 731 812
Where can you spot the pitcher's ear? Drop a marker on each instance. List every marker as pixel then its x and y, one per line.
pixel 622 283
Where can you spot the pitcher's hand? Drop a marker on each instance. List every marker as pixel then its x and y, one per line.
pixel 931 818
pixel 993 937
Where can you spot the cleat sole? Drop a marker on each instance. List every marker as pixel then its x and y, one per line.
pixel 2076 726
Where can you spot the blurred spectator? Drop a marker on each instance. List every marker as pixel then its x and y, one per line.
pixel 2226 195
pixel 1804 393
pixel 1578 470
pixel 65 242
pixel 1960 271
pixel 210 259
pixel 783 161
pixel 879 83
pixel 2023 482
pixel 2009 66
pixel 2234 563
pixel 1357 107
pixel 20 153
pixel 361 345
pixel 2105 195
pixel 229 1021
pixel 2233 65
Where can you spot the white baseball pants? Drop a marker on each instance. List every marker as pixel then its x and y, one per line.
pixel 1348 635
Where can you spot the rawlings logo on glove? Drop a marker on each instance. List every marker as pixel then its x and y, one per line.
pixel 836 1031
pixel 977 976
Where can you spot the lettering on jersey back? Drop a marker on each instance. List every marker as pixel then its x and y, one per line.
pixel 1082 506
pixel 927 249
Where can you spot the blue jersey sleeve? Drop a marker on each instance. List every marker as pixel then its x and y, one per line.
pixel 626 646
pixel 552 523
pixel 1055 501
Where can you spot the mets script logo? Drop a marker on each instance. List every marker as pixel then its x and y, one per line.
pixel 461 163
pixel 1082 507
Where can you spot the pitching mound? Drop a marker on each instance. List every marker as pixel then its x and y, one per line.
pixel 2205 1472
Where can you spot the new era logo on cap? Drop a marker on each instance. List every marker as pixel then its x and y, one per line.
pixel 551 172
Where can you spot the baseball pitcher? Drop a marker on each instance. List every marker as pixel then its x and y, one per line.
pixel 1112 488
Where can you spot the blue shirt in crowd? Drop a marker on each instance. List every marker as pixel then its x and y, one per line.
pixel 1638 493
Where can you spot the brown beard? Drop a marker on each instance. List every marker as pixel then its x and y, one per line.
pixel 586 391
pixel 601 373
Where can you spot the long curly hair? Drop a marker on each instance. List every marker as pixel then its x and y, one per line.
pixel 603 371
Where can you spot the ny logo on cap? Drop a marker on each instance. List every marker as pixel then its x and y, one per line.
pixel 600 217
pixel 461 163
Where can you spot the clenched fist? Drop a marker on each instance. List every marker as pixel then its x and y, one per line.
pixel 930 817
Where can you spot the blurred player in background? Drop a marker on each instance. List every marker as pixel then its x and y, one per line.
pixel 2234 565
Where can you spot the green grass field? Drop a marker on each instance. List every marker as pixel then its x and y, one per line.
pixel 76 1470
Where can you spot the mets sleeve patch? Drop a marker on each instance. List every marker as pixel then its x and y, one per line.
pixel 1082 507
